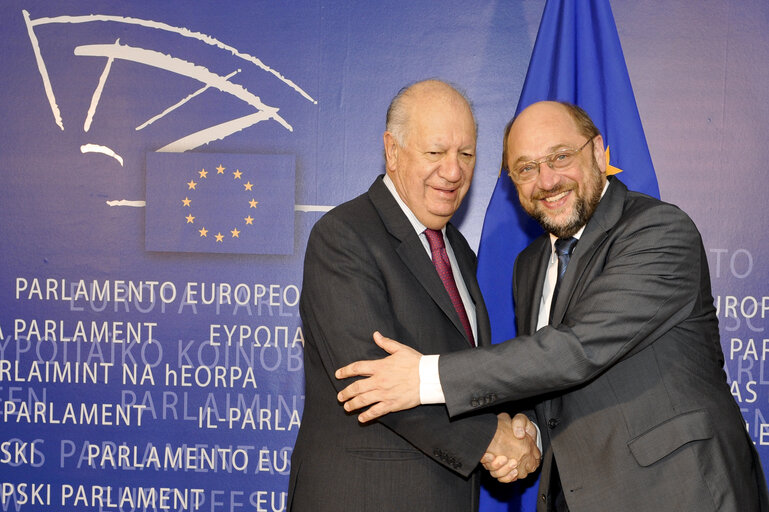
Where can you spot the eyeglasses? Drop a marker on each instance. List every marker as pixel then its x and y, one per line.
pixel 558 161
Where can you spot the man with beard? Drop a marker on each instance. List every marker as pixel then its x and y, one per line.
pixel 625 367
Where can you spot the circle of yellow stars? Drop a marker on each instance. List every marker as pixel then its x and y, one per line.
pixel 188 203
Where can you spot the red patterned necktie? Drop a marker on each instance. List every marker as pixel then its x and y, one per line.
pixel 443 266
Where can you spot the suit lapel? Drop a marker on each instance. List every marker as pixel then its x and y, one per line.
pixel 597 229
pixel 411 250
pixel 532 278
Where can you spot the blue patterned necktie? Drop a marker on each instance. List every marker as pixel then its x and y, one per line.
pixel 563 249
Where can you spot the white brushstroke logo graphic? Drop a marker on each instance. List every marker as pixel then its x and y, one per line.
pixel 116 51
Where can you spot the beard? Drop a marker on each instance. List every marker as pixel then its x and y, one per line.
pixel 584 206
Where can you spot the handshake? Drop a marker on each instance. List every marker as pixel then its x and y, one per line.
pixel 513 451
pixel 392 384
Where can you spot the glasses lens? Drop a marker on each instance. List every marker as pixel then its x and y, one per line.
pixel 525 173
pixel 562 159
pixel 528 172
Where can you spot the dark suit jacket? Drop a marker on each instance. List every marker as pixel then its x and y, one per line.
pixel 365 270
pixel 634 404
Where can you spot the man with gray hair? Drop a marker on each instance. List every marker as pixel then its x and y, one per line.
pixel 390 261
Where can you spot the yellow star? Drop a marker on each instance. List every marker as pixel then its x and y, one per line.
pixel 235 233
pixel 191 184
pixel 249 185
pixel 249 220
pixel 190 219
pixel 203 232
pixel 253 203
pixel 219 237
pixel 610 169
pixel 203 173
pixel 237 174
pixel 220 169
pixel 186 201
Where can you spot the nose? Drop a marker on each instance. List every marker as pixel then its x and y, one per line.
pixel 547 177
pixel 451 170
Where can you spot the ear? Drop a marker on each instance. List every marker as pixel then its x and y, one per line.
pixel 390 151
pixel 599 153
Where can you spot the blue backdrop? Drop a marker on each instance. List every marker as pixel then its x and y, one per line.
pixel 150 342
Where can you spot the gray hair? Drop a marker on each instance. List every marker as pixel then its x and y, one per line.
pixel 397 120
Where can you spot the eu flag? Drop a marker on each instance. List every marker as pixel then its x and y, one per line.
pixel 577 58
pixel 220 203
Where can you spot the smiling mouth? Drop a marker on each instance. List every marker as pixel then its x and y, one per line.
pixel 445 190
pixel 556 198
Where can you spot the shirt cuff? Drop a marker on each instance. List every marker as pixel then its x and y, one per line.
pixel 539 439
pixel 430 390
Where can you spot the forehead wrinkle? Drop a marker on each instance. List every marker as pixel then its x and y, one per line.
pixel 428 134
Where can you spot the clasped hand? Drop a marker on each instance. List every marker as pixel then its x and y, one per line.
pixel 512 453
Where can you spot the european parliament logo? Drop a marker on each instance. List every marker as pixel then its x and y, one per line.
pixel 182 96
pixel 220 203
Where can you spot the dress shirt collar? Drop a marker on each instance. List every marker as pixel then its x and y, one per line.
pixel 418 226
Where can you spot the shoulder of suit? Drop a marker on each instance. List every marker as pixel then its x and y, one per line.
pixel 353 227
pixel 638 204
pixel 354 212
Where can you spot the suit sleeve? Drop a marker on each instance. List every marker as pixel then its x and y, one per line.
pixel 344 300
pixel 645 283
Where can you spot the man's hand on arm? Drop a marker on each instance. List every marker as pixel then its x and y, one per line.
pixel 513 451
pixel 392 383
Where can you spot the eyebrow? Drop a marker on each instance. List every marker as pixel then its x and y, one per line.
pixel 551 150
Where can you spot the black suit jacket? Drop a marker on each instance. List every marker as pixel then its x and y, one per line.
pixel 633 401
pixel 365 270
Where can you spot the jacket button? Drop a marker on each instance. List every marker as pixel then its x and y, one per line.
pixel 542 498
pixel 552 423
